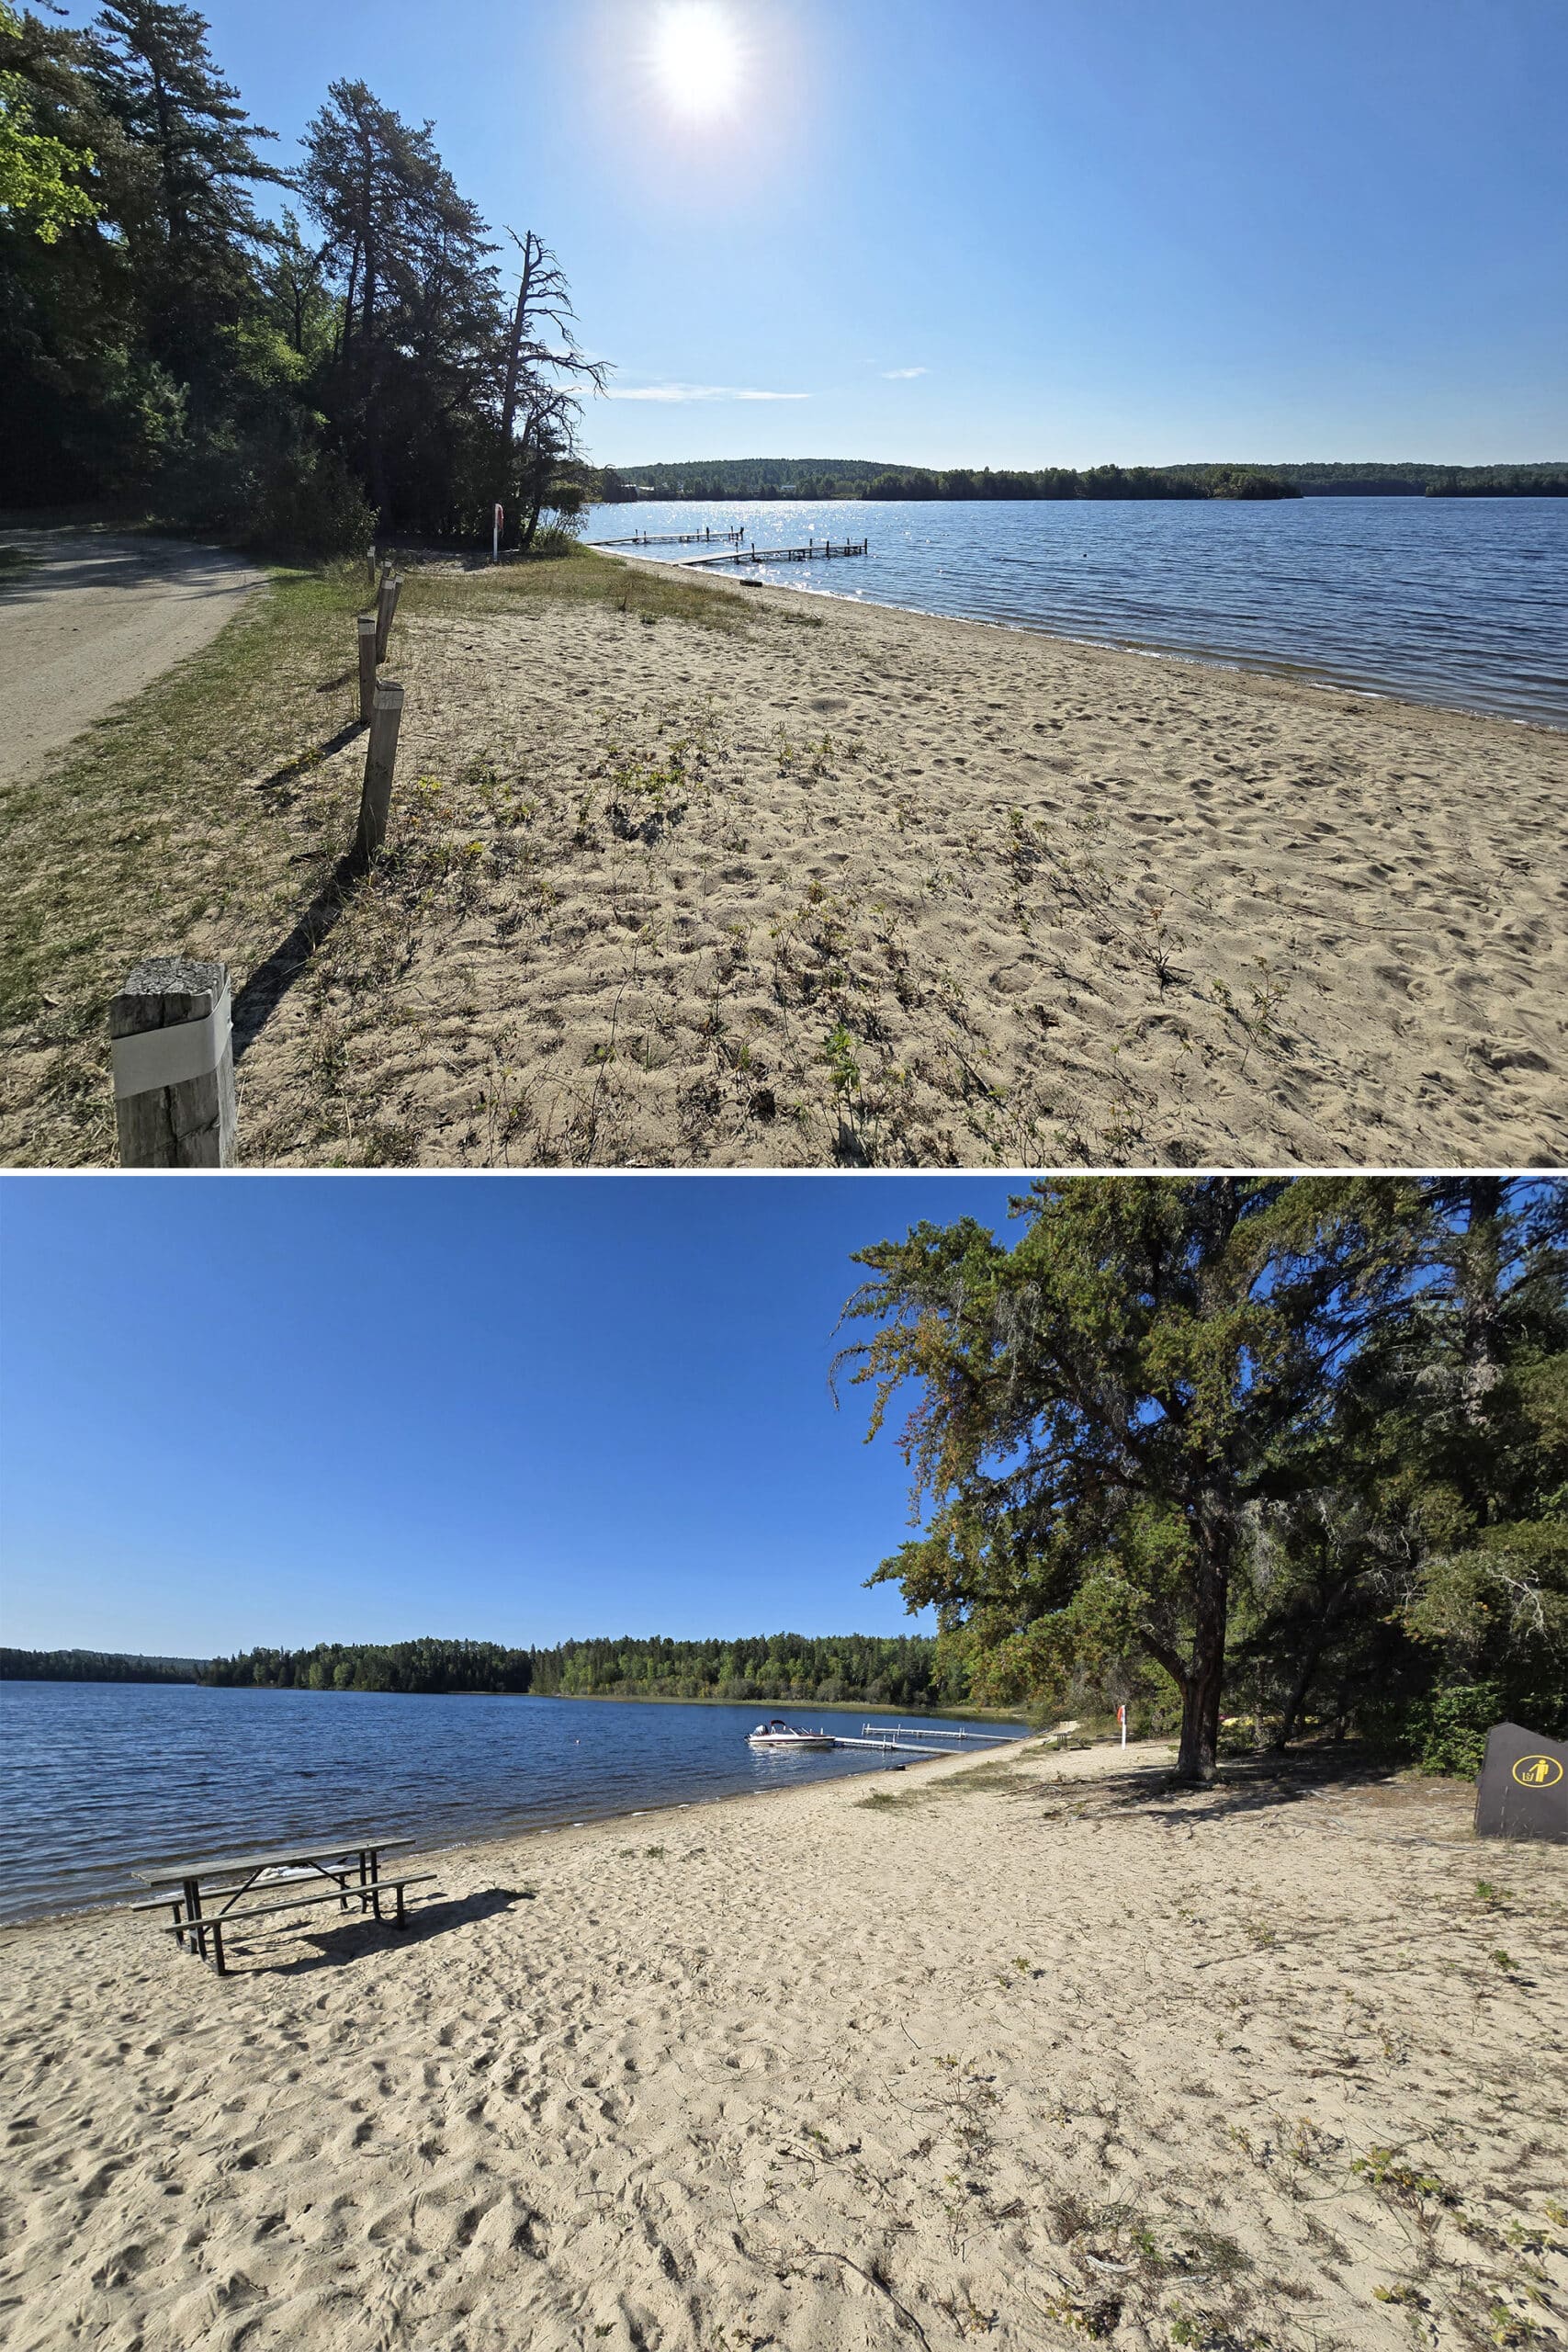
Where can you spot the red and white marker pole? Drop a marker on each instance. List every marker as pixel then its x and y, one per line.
pixel 498 520
pixel 1122 1719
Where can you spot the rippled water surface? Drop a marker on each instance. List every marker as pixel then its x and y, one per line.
pixel 98 1776
pixel 1444 600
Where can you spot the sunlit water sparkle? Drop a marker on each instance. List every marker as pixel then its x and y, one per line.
pixel 1461 602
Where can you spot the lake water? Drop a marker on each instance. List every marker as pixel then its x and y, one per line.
pixel 97 1776
pixel 1444 600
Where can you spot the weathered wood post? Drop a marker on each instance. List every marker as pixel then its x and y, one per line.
pixel 174 1066
pixel 367 627
pixel 370 564
pixel 381 760
pixel 386 608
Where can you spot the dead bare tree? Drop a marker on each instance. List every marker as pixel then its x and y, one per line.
pixel 544 376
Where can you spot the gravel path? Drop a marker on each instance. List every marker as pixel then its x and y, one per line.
pixel 92 621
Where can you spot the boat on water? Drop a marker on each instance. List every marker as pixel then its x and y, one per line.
pixel 779 1735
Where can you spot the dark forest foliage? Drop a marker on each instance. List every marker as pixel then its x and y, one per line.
pixel 356 364
pixel 900 1670
pixel 94 1665
pixel 1296 1449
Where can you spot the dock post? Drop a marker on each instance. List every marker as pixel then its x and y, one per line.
pixel 173 1056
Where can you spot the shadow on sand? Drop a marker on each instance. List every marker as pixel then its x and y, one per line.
pixel 1249 1784
pixel 359 1939
pixel 271 980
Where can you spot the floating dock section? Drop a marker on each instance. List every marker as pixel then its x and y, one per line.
pixel 809 554
pixel 905 1740
pixel 670 539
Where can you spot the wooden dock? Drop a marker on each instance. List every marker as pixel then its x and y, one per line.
pixel 670 539
pixel 809 554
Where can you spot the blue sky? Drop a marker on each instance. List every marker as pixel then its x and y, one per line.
pixel 1006 232
pixel 289 1409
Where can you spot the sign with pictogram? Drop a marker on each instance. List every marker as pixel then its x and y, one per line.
pixel 1523 1787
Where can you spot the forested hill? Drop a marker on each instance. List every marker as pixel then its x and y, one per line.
pixel 95 1666
pixel 901 1670
pixel 819 478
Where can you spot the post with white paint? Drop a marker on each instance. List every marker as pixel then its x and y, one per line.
pixel 1122 1719
pixel 380 762
pixel 174 1066
pixel 498 519
pixel 367 627
pixel 370 565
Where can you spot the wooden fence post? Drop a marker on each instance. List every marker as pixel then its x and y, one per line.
pixel 370 565
pixel 367 627
pixel 174 1066
pixel 381 760
pixel 386 607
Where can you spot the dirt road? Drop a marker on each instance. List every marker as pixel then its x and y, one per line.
pixel 90 620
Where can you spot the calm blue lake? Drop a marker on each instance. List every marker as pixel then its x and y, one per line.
pixel 97 1776
pixel 1444 600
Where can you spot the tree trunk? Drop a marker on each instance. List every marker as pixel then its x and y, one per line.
pixel 1480 1277
pixel 1200 1692
pixel 1297 1699
pixel 514 348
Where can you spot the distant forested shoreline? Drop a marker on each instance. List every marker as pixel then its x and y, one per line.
pixel 820 477
pixel 905 1671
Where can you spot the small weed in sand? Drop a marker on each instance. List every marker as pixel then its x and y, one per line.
pixel 1256 1017
pixel 1501 1960
pixel 653 1853
pixel 1382 2169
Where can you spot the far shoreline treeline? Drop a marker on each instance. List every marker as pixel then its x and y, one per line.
pixel 821 478
pixel 900 1670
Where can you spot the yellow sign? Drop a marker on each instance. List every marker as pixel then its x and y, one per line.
pixel 1538 1772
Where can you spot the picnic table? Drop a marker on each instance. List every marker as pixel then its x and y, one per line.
pixel 203 1895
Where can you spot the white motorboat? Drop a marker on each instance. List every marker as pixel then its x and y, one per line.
pixel 779 1735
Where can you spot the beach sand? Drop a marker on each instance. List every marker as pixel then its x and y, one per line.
pixel 854 886
pixel 1026 2049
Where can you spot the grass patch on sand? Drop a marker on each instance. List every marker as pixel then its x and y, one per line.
pixel 14 564
pixel 646 592
pixel 193 820
pixel 998 1775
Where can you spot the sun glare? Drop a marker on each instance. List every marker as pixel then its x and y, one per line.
pixel 697 56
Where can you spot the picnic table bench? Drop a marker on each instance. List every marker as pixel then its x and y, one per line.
pixel 202 1895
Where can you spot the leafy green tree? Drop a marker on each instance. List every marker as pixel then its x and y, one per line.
pixel 412 388
pixel 37 174
pixel 192 249
pixel 1100 1408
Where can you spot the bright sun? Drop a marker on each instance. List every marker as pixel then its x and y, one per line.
pixel 697 56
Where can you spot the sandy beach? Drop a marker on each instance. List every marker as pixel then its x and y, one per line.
pixel 1028 2050
pixel 749 878
pixel 853 886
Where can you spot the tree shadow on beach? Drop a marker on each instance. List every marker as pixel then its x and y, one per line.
pixel 1247 1784
pixel 360 1938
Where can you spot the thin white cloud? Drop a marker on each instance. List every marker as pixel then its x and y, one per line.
pixel 698 392
pixel 902 375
